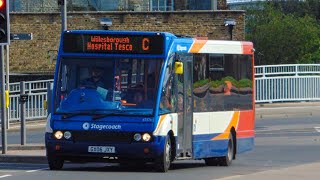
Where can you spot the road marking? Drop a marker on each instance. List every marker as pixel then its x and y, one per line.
pixel 293 107
pixel 7 175
pixel 230 177
pixel 317 129
pixel 36 170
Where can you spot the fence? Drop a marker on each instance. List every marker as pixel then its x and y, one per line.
pixel 285 83
pixel 35 107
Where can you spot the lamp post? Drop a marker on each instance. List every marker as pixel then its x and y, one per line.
pixel 230 23
pixel 63 5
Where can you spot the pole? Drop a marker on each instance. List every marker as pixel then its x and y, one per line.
pixel 22 114
pixel 3 104
pixel 7 82
pixel 64 15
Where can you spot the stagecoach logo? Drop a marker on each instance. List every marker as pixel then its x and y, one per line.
pixel 181 48
pixel 87 126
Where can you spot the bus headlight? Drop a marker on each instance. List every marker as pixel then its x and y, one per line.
pixel 67 135
pixel 137 137
pixel 58 135
pixel 146 137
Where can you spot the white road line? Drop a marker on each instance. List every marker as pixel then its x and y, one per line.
pixel 293 107
pixel 7 175
pixel 36 170
pixel 230 177
pixel 317 129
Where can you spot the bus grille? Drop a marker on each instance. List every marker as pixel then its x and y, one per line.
pixel 100 136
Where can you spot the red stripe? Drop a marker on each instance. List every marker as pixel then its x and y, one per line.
pixel 247 47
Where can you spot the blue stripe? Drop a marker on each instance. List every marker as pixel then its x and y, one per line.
pixel 245 144
pixel 203 149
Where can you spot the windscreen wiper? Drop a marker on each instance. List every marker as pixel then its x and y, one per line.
pixel 66 116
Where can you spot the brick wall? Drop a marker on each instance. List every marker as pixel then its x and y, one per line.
pixel 32 56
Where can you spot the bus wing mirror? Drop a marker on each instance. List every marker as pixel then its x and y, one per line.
pixel 178 68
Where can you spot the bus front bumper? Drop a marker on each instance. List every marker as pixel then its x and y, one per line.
pixel 79 151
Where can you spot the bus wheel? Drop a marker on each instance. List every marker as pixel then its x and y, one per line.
pixel 227 160
pixel 55 163
pixel 212 161
pixel 163 163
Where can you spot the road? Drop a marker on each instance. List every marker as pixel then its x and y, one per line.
pixel 280 143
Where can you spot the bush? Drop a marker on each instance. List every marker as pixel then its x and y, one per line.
pixel 244 83
pixel 201 83
pixel 231 79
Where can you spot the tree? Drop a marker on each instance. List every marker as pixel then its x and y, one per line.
pixel 283 38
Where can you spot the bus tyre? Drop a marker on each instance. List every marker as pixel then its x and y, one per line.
pixel 55 163
pixel 212 161
pixel 162 164
pixel 227 160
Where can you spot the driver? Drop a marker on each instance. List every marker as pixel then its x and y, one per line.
pixel 96 79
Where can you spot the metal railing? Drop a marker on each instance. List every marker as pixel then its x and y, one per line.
pixel 285 83
pixel 37 96
pixel 242 1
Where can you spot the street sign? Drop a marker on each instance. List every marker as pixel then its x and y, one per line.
pixel 21 36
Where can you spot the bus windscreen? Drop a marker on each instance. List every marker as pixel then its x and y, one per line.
pixel 113 43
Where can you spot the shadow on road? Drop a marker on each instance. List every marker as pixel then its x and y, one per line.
pixel 129 168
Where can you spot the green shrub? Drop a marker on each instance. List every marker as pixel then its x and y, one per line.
pixel 231 79
pixel 245 83
pixel 201 83
pixel 216 83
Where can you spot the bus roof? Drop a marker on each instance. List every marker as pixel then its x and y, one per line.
pixel 119 32
pixel 213 46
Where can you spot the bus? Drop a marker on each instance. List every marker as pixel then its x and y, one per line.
pixel 150 97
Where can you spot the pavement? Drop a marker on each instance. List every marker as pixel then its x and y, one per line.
pixel 35 153
pixel 29 153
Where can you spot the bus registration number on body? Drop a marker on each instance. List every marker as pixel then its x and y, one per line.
pixel 101 149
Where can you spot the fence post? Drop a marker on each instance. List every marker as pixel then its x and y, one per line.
pixel 22 112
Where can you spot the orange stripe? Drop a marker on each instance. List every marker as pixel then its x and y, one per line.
pixel 197 46
pixel 160 122
pixel 247 47
pixel 233 123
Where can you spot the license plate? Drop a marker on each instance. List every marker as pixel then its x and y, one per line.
pixel 101 149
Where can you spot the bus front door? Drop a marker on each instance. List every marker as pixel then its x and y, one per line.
pixel 185 115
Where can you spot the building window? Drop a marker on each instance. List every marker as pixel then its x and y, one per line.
pixel 161 5
pixel 202 5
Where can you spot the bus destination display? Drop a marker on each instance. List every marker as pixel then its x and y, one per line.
pixel 113 44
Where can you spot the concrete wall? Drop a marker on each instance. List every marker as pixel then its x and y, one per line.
pixel 32 56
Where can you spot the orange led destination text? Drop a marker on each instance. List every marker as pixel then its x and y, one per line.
pixel 98 43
